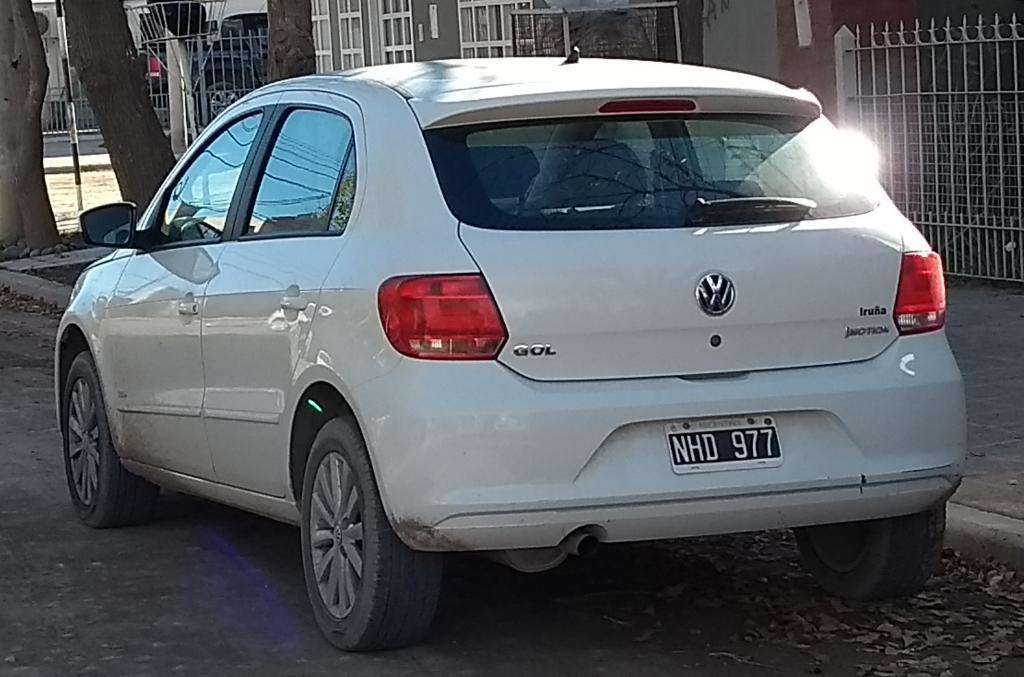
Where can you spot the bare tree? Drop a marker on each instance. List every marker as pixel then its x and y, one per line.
pixel 103 52
pixel 25 210
pixel 291 39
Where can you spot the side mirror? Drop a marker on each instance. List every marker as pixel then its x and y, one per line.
pixel 111 225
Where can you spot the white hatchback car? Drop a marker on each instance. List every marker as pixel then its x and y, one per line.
pixel 518 307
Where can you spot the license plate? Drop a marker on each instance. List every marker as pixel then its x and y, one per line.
pixel 723 444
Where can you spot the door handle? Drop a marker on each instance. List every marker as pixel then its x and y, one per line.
pixel 292 301
pixel 188 305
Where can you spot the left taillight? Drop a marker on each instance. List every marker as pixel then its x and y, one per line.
pixel 921 298
pixel 442 317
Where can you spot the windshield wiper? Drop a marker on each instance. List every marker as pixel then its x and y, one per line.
pixel 734 210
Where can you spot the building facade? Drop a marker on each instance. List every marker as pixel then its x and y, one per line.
pixel 357 33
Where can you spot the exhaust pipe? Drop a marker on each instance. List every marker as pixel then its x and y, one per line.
pixel 580 543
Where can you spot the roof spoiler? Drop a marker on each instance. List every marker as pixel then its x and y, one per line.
pixel 443 114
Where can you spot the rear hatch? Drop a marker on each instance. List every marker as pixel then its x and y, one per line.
pixel 659 244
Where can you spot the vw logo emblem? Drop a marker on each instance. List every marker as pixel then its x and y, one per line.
pixel 715 294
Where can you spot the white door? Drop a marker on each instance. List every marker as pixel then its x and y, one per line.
pixel 154 320
pixel 260 307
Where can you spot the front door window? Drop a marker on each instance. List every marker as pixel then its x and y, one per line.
pixel 197 205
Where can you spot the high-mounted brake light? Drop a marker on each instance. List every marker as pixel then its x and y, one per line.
pixel 627 106
pixel 442 317
pixel 921 298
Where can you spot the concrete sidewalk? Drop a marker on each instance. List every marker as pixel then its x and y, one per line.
pixel 986 329
pixel 57 154
pixel 23 276
pixel 88 163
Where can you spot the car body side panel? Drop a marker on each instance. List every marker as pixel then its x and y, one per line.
pixel 86 310
pixel 385 237
pixel 252 343
pixel 156 393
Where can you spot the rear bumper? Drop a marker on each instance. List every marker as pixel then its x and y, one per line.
pixel 775 508
pixel 473 457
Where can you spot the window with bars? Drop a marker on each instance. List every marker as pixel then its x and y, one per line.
pixel 322 36
pixel 350 34
pixel 485 26
pixel 396 31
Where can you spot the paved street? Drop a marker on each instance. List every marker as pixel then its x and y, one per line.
pixel 98 187
pixel 98 183
pixel 58 146
pixel 210 590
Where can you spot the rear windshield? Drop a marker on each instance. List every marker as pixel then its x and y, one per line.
pixel 644 172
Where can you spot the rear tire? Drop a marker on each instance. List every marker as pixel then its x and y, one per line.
pixel 368 590
pixel 876 559
pixel 103 493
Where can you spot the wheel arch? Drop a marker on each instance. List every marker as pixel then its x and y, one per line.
pixel 319 402
pixel 72 342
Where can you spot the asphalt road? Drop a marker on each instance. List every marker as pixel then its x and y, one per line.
pixel 58 145
pixel 211 590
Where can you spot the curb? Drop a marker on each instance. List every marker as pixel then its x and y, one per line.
pixel 68 169
pixel 979 535
pixel 36 287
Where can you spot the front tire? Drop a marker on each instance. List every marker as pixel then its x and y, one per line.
pixel 875 559
pixel 103 493
pixel 368 590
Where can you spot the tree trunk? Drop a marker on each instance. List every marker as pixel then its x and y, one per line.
pixel 291 39
pixel 25 210
pixel 103 52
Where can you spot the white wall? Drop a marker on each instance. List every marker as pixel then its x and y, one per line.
pixel 742 35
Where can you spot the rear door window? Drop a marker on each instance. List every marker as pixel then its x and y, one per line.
pixel 308 183
pixel 645 172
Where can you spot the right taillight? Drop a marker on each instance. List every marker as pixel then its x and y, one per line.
pixel 921 298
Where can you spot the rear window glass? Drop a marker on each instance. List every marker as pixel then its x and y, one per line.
pixel 644 172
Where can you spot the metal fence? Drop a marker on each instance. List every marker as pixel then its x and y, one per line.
pixel 55 112
pixel 639 31
pixel 222 72
pixel 944 103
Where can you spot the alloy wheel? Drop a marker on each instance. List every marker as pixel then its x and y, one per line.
pixel 336 534
pixel 83 442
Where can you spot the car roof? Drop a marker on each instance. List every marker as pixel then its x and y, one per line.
pixel 460 79
pixel 460 91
